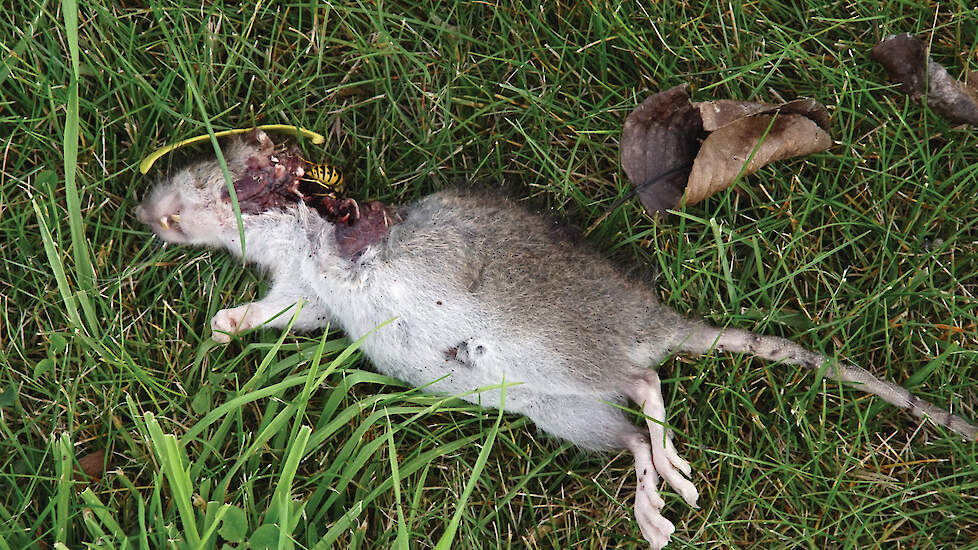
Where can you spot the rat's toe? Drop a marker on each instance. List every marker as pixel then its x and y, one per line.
pixel 677 460
pixel 674 478
pixel 642 491
pixel 655 528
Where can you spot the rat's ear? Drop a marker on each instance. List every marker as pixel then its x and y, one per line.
pixel 259 138
pixel 254 143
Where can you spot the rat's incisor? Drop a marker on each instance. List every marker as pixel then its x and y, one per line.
pixel 482 292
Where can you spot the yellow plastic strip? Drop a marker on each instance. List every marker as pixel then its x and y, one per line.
pixel 147 162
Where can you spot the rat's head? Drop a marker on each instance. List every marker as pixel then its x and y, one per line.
pixel 192 206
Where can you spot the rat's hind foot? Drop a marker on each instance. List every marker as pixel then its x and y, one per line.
pixel 648 504
pixel 647 392
pixel 655 528
pixel 673 455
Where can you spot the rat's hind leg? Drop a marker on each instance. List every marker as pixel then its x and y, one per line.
pixel 592 422
pixel 646 391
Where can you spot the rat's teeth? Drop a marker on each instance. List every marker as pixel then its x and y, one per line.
pixel 165 220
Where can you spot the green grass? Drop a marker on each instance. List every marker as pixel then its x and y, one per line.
pixel 868 251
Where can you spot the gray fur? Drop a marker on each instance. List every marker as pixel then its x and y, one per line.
pixel 481 292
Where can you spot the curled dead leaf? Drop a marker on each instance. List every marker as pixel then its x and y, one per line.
pixel 953 100
pixel 905 59
pixel 719 113
pixel 671 147
pixel 722 112
pixel 744 146
pixel 658 143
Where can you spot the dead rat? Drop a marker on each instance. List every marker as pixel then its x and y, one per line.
pixel 482 292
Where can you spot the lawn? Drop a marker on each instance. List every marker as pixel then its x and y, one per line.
pixel 868 251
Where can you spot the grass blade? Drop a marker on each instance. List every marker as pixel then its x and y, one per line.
pixel 401 542
pixel 79 243
pixel 205 118
pixel 421 461
pixel 57 268
pixel 64 454
pixel 448 538
pixel 282 498
pixel 104 514
pixel 172 461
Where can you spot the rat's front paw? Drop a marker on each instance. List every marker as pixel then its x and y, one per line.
pixel 231 321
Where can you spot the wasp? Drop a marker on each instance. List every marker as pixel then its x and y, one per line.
pixel 327 181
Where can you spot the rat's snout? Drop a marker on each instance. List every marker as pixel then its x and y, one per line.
pixel 162 213
pixel 141 214
pixel 144 215
pixel 182 213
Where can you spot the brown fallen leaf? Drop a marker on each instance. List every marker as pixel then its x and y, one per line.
pixel 722 112
pixel 953 100
pixel 719 113
pixel 92 466
pixel 744 146
pixel 905 59
pixel 658 143
pixel 675 150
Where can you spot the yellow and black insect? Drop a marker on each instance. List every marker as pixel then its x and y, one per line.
pixel 329 180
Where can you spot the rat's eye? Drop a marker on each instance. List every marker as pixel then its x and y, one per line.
pixel 202 176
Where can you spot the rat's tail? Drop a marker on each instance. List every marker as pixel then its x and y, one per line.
pixel 774 348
